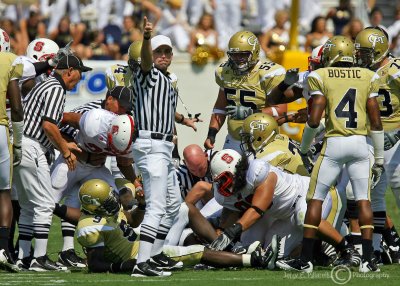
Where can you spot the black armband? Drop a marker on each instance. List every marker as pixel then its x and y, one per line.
pixel 282 86
pixel 258 210
pixel 60 210
pixel 212 133
pixel 180 121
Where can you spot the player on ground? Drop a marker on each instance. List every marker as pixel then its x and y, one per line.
pixel 345 142
pixel 244 83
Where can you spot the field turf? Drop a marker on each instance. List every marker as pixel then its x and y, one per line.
pixel 389 275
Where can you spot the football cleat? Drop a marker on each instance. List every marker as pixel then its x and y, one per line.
pixel 43 263
pixel 241 249
pixel 24 263
pixel 145 269
pixel 384 256
pixel 394 254
pixel 295 265
pixel 6 262
pixel 368 266
pixel 349 257
pixel 163 261
pixel 69 258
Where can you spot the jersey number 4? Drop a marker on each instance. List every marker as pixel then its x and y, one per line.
pixel 341 111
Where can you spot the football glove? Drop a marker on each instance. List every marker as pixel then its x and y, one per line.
pixel 238 112
pixel 308 163
pixel 63 52
pixel 391 139
pixel 128 231
pixel 17 155
pixel 291 76
pixel 229 235
pixel 377 171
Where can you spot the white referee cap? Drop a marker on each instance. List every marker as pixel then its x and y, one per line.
pixel 160 40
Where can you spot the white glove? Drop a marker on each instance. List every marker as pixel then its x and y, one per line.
pixel 377 171
pixel 291 76
pixel 17 153
pixel 63 52
pixel 308 163
pixel 238 112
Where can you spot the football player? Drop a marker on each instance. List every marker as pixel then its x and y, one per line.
pixel 244 83
pixel 263 200
pixel 112 244
pixel 372 52
pixel 345 142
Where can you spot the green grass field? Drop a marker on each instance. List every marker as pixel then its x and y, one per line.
pixel 390 274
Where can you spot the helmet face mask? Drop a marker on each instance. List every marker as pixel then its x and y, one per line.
pixel 243 51
pixel 315 60
pixel 224 184
pixel 371 46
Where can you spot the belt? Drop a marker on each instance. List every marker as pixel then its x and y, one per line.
pixel 155 135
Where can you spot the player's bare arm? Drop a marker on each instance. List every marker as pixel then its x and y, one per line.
pixel 261 201
pixel 146 52
pixel 71 118
pixel 276 110
pixel 126 167
pixel 217 119
pixel 54 135
pixel 199 191
pixel 318 108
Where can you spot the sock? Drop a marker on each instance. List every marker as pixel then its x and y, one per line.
pixel 4 235
pixel 24 249
pixel 246 259
pixel 147 238
pixel 160 239
pixel 366 249
pixel 68 231
pixel 379 221
pixel 307 250
pixel 341 245
pixel 41 235
pixel 376 241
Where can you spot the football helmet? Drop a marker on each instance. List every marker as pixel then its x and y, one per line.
pixel 243 51
pixel 134 55
pixel 121 134
pixel 338 49
pixel 98 197
pixel 42 49
pixel 4 41
pixel 258 131
pixel 223 170
pixel 314 61
pixel 371 46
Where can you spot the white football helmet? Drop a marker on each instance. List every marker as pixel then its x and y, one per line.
pixel 4 41
pixel 121 134
pixel 42 49
pixel 315 60
pixel 223 170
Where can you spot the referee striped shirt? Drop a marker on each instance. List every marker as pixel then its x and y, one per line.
pixel 45 101
pixel 71 131
pixel 155 101
pixel 187 180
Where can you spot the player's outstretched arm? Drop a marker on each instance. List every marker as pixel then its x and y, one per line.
pixel 146 51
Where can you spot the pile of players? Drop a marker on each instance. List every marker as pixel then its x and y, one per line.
pixel 264 201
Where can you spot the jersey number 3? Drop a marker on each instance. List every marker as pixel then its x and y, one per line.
pixel 341 111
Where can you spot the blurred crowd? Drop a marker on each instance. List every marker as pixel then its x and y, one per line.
pixel 104 29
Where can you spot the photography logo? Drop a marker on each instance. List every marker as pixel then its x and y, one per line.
pixel 340 274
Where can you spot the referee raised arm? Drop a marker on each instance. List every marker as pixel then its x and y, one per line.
pixel 43 110
pixel 155 104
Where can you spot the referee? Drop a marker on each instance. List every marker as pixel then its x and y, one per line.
pixel 155 105
pixel 43 110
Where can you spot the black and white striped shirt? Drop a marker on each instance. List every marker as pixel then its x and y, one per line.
pixel 187 180
pixel 71 131
pixel 155 101
pixel 45 101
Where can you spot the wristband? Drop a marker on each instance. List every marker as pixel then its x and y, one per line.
pixel 146 38
pixel 212 133
pixel 142 207
pixel 282 86
pixel 60 210
pixel 274 112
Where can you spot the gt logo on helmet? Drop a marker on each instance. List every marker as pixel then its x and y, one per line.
pixel 374 38
pixel 90 200
pixel 258 125
pixel 252 41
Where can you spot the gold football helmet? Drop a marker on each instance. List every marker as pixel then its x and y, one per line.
pixel 134 55
pixel 371 46
pixel 338 49
pixel 97 197
pixel 258 131
pixel 243 51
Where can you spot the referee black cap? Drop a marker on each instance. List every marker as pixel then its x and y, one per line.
pixel 72 61
pixel 123 94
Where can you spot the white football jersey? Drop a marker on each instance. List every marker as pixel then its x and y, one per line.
pixel 93 129
pixel 302 83
pixel 288 190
